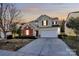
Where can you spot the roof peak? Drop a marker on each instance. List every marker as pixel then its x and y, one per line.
pixel 47 16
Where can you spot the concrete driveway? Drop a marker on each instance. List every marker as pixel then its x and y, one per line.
pixel 47 47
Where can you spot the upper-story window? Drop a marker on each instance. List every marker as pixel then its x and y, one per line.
pixel 54 23
pixel 45 23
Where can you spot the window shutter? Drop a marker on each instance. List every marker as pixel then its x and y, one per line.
pixel 56 22
pixel 52 22
pixel 46 22
pixel 42 23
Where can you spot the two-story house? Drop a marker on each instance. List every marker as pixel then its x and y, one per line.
pixel 43 26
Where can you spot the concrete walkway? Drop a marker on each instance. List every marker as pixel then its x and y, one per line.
pixel 10 53
pixel 47 47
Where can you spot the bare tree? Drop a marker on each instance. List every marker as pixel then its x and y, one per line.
pixel 14 13
pixel 3 10
pixel 8 13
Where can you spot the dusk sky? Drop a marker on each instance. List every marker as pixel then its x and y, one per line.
pixel 31 11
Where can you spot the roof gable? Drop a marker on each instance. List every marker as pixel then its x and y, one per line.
pixel 43 17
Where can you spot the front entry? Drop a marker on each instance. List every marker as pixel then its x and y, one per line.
pixel 27 31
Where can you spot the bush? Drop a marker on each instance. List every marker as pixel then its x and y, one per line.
pixel 9 37
pixel 25 37
pixel 62 36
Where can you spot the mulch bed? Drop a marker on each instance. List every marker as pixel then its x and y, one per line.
pixel 14 44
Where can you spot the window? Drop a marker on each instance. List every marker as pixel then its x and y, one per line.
pixel 27 32
pixel 54 22
pixel 45 23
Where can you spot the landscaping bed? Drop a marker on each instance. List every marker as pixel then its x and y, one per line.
pixel 14 44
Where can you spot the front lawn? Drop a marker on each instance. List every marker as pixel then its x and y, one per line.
pixel 72 42
pixel 14 44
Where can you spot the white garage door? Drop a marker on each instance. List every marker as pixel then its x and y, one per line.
pixel 49 33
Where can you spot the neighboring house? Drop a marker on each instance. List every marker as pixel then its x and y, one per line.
pixel 43 26
pixel 70 31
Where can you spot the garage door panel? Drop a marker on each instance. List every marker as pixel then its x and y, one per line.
pixel 49 33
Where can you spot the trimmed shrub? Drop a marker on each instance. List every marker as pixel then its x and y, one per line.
pixel 25 37
pixel 9 37
pixel 62 36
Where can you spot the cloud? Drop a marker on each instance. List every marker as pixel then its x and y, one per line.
pixel 32 10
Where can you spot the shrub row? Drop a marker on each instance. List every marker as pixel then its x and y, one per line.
pixel 62 36
pixel 21 37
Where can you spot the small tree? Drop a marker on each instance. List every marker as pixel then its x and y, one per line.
pixel 13 30
pixel 19 31
pixel 74 24
pixel 16 30
pixel 62 26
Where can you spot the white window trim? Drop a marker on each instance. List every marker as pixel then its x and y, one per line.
pixel 54 22
pixel 44 23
